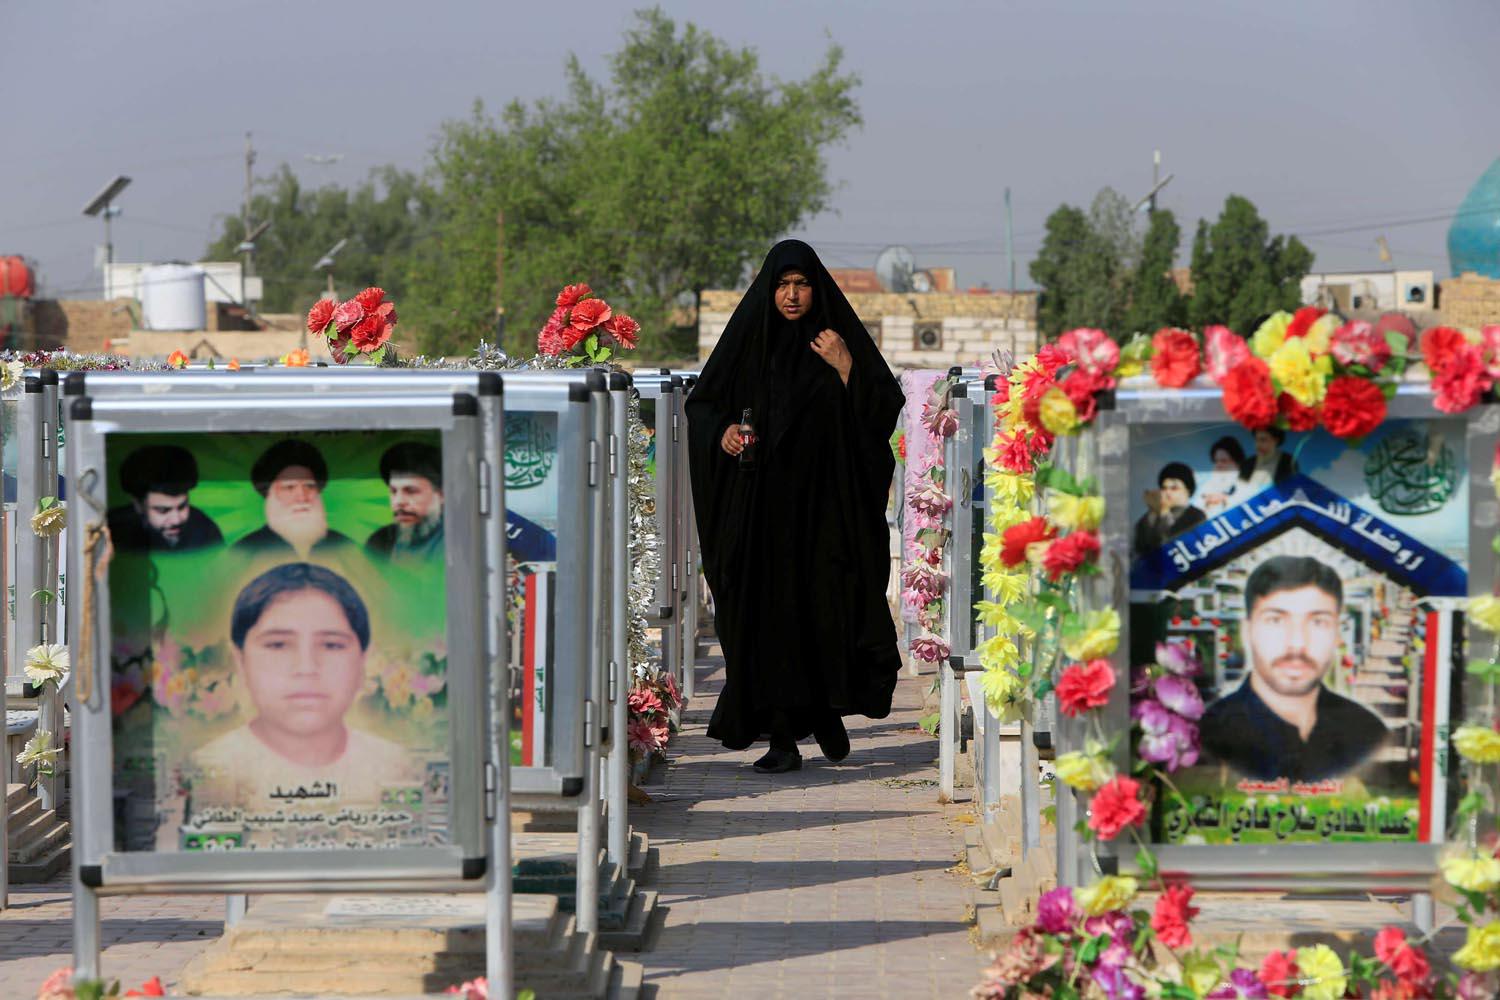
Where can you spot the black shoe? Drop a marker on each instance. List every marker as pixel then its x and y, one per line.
pixel 779 762
pixel 833 738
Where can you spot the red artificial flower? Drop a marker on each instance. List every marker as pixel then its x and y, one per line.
pixel 571 295
pixel 1092 351
pixel 1015 539
pixel 370 333
pixel 1302 321
pixel 1408 962
pixel 1051 357
pixel 1359 343
pixel 588 314
pixel 624 329
pixel 1172 915
pixel 1465 379
pixel 177 359
pixel 1013 452
pixel 1297 416
pixel 320 315
pixel 346 314
pixel 1278 970
pixel 1083 388
pixel 1353 407
pixel 1248 396
pixel 1002 393
pixel 1174 357
pixel 1070 553
pixel 1223 349
pixel 1439 344
pixel 1085 686
pixel 150 988
pixel 1116 806
pixel 370 299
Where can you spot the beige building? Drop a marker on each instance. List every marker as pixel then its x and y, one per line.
pixel 916 329
pixel 1470 301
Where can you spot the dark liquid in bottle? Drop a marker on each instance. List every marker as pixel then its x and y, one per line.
pixel 747 436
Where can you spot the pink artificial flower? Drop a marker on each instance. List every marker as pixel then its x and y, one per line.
pixel 474 989
pixel 1092 351
pixel 346 314
pixel 1359 343
pixel 58 986
pixel 929 649
pixel 645 703
pixel 1463 381
pixel 1223 349
pixel 1489 343
pixel 1179 695
pixel 646 736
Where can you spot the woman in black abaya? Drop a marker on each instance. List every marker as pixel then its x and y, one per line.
pixel 796 550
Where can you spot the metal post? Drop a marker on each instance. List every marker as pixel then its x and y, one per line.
pixel 1031 792
pixel 85 927
pixel 619 653
pixel 948 723
pixel 36 558
pixel 586 886
pixel 499 949
pixel 235 905
pixel 990 759
pixel 689 535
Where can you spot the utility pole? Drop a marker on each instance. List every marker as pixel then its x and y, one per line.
pixel 1155 177
pixel 1010 247
pixel 500 279
pixel 248 269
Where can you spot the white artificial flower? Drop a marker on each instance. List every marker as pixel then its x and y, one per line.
pixel 47 662
pixel 39 751
pixel 10 375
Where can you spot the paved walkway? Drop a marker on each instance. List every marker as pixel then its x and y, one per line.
pixel 831 881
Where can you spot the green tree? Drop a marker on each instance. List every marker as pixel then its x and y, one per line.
pixel 1155 300
pixel 1241 272
pixel 671 177
pixel 382 219
pixel 1079 272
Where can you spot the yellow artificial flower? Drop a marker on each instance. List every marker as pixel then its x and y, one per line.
pixel 1481 744
pixel 1484 611
pixel 1009 588
pixel 1481 950
pixel 1320 335
pixel 1326 970
pixel 1292 366
pixel 1112 892
pixel 1270 335
pixel 1057 412
pixel 1495 479
pixel 1099 636
pixel 1083 771
pixel 999 649
pixel 1201 973
pixel 1000 686
pixel 1011 487
pixel 1075 513
pixel 1472 872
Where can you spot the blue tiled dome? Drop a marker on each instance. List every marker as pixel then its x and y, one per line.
pixel 1474 236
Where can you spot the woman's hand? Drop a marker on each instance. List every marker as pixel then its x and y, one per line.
pixel 731 442
pixel 832 349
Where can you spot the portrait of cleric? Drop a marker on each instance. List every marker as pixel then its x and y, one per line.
pixel 413 473
pixel 291 476
pixel 160 517
pixel 1283 721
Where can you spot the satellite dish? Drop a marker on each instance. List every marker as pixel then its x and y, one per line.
pixel 894 267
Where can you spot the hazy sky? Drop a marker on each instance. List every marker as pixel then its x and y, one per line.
pixel 1341 120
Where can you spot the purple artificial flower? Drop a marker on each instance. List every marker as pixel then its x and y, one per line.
pixel 1179 695
pixel 930 500
pixel 1115 923
pixel 1178 658
pixel 1478 986
pixel 1140 681
pixel 1243 984
pixel 1055 912
pixel 1116 985
pixel 1166 738
pixel 929 649
pixel 940 423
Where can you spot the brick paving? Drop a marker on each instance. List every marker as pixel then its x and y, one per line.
pixel 831 881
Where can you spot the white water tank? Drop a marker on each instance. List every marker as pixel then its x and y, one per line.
pixel 172 297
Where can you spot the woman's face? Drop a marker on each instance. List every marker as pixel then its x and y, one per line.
pixel 1265 444
pixel 1223 461
pixel 793 294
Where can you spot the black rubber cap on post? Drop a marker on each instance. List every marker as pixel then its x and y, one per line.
pixel 73 384
pixel 991 383
pixel 465 404
pixel 955 371
pixel 676 381
pixel 572 787
pixel 957 665
pixel 619 380
pixel 665 386
pixel 474 868
pixel 491 384
pixel 578 393
pixel 49 376
pixel 82 408
pixel 91 876
pixel 960 391
pixel 594 380
pixel 33 383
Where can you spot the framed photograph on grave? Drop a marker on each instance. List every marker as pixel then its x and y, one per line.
pixel 280 660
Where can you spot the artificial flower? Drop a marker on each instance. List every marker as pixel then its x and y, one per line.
pixel 320 315
pixel 47 662
pixel 1070 553
pixel 625 330
pixel 1085 686
pixel 646 736
pixel 1484 611
pixel 1353 407
pixel 1478 986
pixel 473 989
pixel 1026 956
pixel 1489 346
pixel 1075 513
pixel 39 751
pixel 1013 451
pixel 1269 337
pixel 1115 806
pixel 1084 772
pixel 645 703
pixel 1296 416
pixel 1472 872
pixel 941 422
pixel 1091 350
pixel 58 986
pixel 1179 695
pixel 1056 412
pixel 1097 634
pixel 150 988
pixel 297 358
pixel 1133 356
pixel 177 359
pixel 1248 395
pixel 1056 912
pixel 346 314
pixel 1223 349
pixel 1083 388
pixel 1278 970
pixel 1174 357
pixel 1359 343
pixel 1243 984
pixel 1302 321
pixel 1200 973
pixel 1481 950
pixel 1463 382
pixel 1166 738
pixel 1172 914
pixel 369 334
pixel 588 314
pixel 1018 538
pixel 1326 970
pixel 50 520
pixel 1408 962
pixel 1293 368
pixel 1112 892
pixel 11 373
pixel 1178 658
pixel 1319 334
pixel 929 649
pixel 1440 346
pixel 571 294
pixel 1481 744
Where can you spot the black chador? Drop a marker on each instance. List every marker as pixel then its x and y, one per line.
pixel 797 551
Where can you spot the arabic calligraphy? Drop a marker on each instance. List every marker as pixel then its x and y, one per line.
pixel 530 451
pixel 1411 473
pixel 317 790
pixel 1219 820
pixel 355 818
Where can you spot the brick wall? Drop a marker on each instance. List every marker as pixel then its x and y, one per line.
pixel 87 326
pixel 1470 301
pixel 931 330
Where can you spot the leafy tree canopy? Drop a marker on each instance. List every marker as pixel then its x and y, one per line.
pixel 1241 272
pixel 671 177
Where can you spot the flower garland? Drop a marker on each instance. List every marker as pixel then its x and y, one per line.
pixel 1298 371
pixel 360 326
pixel 923 583
pixel 582 328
